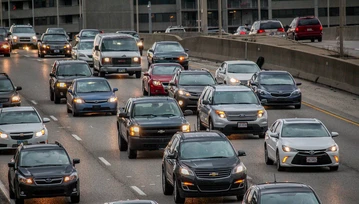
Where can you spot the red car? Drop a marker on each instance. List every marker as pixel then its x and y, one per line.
pixel 155 81
pixel 4 46
pixel 305 28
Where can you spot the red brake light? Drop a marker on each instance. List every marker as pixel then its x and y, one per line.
pixel 321 28
pixel 261 31
pixel 296 29
pixel 242 33
pixel 281 29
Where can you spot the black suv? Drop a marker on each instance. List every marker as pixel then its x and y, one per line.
pixel 45 170
pixel 9 95
pixel 62 74
pixel 187 86
pixel 54 44
pixel 202 164
pixel 148 123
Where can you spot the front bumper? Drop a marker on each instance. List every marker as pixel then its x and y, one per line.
pixel 187 101
pixel 42 191
pixel 256 127
pixel 158 90
pixel 95 107
pixel 4 51
pixel 14 143
pixel 148 143
pixel 118 69
pixel 298 159
pixel 280 101
pixel 24 43
pixel 51 51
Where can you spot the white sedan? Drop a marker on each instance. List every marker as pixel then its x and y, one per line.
pixel 301 142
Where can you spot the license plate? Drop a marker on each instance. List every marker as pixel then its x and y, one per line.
pixel 309 29
pixel 242 125
pixel 312 159
pixel 96 107
pixel 56 51
pixel 121 70
pixel 22 141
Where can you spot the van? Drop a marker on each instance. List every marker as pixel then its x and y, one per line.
pixel 305 28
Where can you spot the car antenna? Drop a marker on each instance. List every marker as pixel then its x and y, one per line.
pixel 275 179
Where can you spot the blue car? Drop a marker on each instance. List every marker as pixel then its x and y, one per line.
pixel 91 95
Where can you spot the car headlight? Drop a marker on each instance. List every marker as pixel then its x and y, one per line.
pixel 296 92
pixel 135 131
pixel 183 93
pixel 233 80
pixel 72 177
pixel 112 99
pixel 288 149
pixel 67 46
pixel 40 133
pixel 14 37
pixel 78 100
pixel 140 43
pixel 221 114
pixel 240 168
pixel 333 148
pixel 34 37
pixel 5 46
pixel 3 135
pixel 136 59
pixel 186 128
pixel 186 171
pixel 61 85
pixel 15 99
pixel 24 180
pixel 263 92
pixel 181 58
pixel 6 39
pixel 44 46
pixel 106 60
pixel 156 83
pixel 260 113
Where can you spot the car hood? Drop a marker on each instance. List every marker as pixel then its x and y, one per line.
pixel 85 52
pixel 7 93
pixel 240 76
pixel 230 162
pixel 162 78
pixel 23 127
pixel 49 171
pixel 95 95
pixel 24 34
pixel 120 54
pixel 278 88
pixel 160 121
pixel 237 107
pixel 196 89
pixel 311 143
pixel 69 79
pixel 170 54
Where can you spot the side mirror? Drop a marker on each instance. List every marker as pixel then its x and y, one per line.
pixel 241 153
pixel 75 161
pixel 45 120
pixel 97 48
pixel 299 83
pixel 335 134
pixel 123 115
pixel 275 135
pixel 150 50
pixel 187 112
pixel 146 74
pixel 186 50
pixel 52 75
pixel 11 164
pixel 70 91
pixel 172 156
pixel 205 102
pixel 18 88
pixel 172 83
pixel 115 89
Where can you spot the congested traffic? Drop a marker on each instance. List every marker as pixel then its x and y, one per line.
pixel 199 159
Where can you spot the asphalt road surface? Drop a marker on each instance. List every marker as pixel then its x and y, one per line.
pixel 107 174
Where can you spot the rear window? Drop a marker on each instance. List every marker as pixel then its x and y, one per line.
pixel 308 21
pixel 271 25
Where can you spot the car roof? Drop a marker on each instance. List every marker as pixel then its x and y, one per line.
pixel 164 42
pixel 202 135
pixel 301 120
pixel 274 72
pixel 90 79
pixel 239 62
pixel 71 61
pixel 127 31
pixel 42 146
pixel 55 29
pixel 231 88
pixel 90 29
pixel 152 99
pixel 114 35
pixel 54 34
pixel 19 108
pixel 266 21
pixel 21 25
pixel 283 186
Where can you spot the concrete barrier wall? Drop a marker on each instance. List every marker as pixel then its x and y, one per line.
pixel 326 70
pixel 350 33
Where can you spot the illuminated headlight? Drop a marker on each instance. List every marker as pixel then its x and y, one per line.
pixel 14 37
pixel 45 46
pixel 140 43
pixel 34 37
pixel 186 128
pixel 61 85
pixel 186 171
pixel 106 60
pixel 288 149
pixel 72 177
pixel 240 168
pixel 136 59
pixel 181 58
pixel 78 100
pixel 183 93
pixel 15 99
pixel 67 46
pixel 135 131
pixel 3 135
pixel 263 92
pixel 5 46
pixel 221 114
pixel 260 113
pixel 333 148
pixel 233 80
pixel 296 92
pixel 112 99
pixel 40 133
pixel 6 39
pixel 156 83
pixel 24 180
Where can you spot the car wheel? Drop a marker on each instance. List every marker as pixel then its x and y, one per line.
pixel 167 188
pixel 6 55
pixel 132 154
pixel 138 74
pixel 101 74
pixel 298 106
pixel 42 55
pixel 51 95
pixel 74 112
pixel 240 197
pixel 279 167
pixel 320 39
pixel 11 192
pixel 312 40
pixel 144 92
pixel 68 108
pixel 199 124
pixel 57 99
pixel 17 199
pixel 333 168
pixel 185 67
pixel 177 197
pixel 262 135
pixel 296 38
pixel 266 158
pixel 75 199
pixel 130 74
pixel 122 144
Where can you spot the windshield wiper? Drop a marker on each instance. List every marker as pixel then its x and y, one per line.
pixel 146 115
pixel 168 115
pixel 215 157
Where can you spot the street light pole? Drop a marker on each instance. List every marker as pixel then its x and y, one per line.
pixel 137 20
pixel 198 17
pixel 259 10
pixel 1 14
pixel 57 13
pixel 149 17
pixel 328 15
pixel 33 14
pixel 220 17
pixel 341 19
pixel 80 12
pixel 8 12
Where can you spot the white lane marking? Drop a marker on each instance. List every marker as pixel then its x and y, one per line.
pixel 158 175
pixel 129 176
pixel 76 137
pixel 104 161
pixel 138 190
pixel 5 191
pixel 356 48
pixel 39 60
pixel 34 102
pixel 53 117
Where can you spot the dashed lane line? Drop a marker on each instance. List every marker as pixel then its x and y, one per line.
pixel 76 137
pixel 34 102
pixel 104 161
pixel 53 118
pixel 138 190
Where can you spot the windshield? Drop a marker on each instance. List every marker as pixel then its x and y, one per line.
pixel 292 198
pixel 43 157
pixel 88 45
pixel 54 38
pixel 304 130
pixel 18 117
pixel 308 21
pixel 90 33
pixel 23 30
pixel 6 85
pixel 93 86
pixel 276 79
pixel 2 38
pixel 156 109
pixel 234 97
pixel 165 70
pixel 196 80
pixel 169 47
pixel 243 68
pixel 56 31
pixel 74 70
pixel 270 25
pixel 119 44
pixel 206 149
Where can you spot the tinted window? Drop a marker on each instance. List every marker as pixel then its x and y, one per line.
pixel 196 80
pixel 177 30
pixel 156 109
pixel 304 130
pixel 271 25
pixel 206 149
pixel 164 70
pixel 90 33
pixel 169 47
pixel 293 198
pixel 93 86
pixel 56 31
pixel 6 85
pixel 33 158
pixel 234 97
pixel 243 68
pixel 276 79
pixel 59 38
pixel 119 44
pixel 88 45
pixel 17 117
pixel 308 21
pixel 134 34
pixel 73 70
pixel 23 30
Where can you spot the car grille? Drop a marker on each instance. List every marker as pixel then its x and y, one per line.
pixel 48 181
pixel 280 94
pixel 213 173
pixel 241 116
pixel 214 187
pixel 24 39
pixel 56 46
pixel 195 93
pixel 96 101
pixel 120 61
pixel 171 58
pixel 159 131
pixel 301 157
pixel 2 100
pixel 21 135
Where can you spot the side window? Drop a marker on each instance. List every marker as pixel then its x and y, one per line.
pixel 174 144
pixel 204 93
pixel 210 96
pixel 278 127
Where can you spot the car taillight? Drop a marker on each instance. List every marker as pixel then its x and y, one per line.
pixel 280 29
pixel 296 29
pixel 242 33
pixel 321 28
pixel 261 31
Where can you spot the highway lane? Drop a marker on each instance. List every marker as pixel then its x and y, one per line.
pixel 99 139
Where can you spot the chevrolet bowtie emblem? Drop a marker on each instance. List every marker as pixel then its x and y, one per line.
pixel 21 135
pixel 161 131
pixel 213 174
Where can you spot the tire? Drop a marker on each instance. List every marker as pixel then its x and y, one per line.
pixel 68 109
pixel 18 200
pixel 132 154
pixel 185 67
pixel 333 168
pixel 262 135
pixel 240 197
pixel 57 99
pixel 11 192
pixel 167 188
pixel 298 106
pixel 267 160
pixel 296 38
pixel 177 197
pixel 130 74
pixel 320 39
pixel 51 95
pixel 312 40
pixel 6 55
pixel 199 125
pixel 210 125
pixel 138 74
pixel 144 92
pixel 75 199
pixel 122 144
pixel 279 167
pixel 141 52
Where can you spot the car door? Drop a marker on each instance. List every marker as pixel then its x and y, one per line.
pixel 126 122
pixel 171 163
pixel 272 141
pixel 53 79
pixel 12 171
